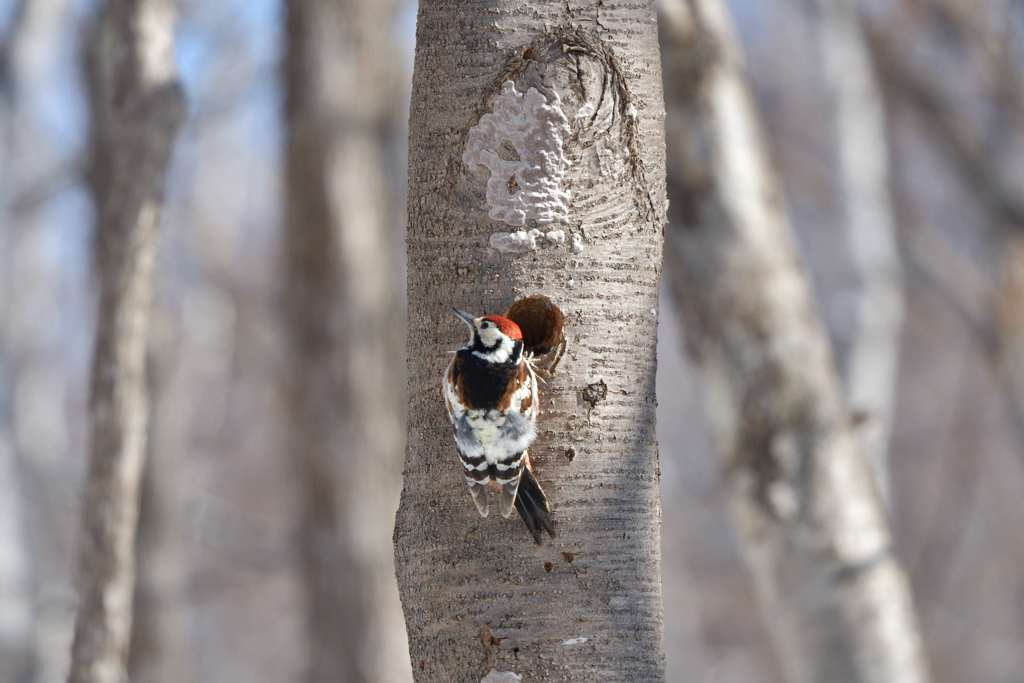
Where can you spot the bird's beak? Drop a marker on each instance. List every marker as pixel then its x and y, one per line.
pixel 464 317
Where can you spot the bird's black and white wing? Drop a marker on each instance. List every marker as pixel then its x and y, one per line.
pixel 467 443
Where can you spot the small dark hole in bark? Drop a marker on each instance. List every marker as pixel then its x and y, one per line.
pixel 507 152
pixel 423 664
pixel 548 567
pixel 595 393
pixel 570 453
pixel 569 557
pixel 513 184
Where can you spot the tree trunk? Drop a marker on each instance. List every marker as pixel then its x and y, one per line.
pixel 1009 324
pixel 160 637
pixel 561 102
pixel 808 515
pixel 17 620
pixel 344 330
pixel 144 108
pixel 868 347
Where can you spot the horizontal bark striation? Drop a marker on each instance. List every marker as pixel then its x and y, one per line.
pixel 586 606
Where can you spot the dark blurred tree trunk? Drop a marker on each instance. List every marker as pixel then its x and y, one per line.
pixel 808 514
pixel 868 343
pixel 344 329
pixel 142 108
pixel 572 92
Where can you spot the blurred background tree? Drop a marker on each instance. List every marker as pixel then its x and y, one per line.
pixel 343 381
pixel 223 589
pixel 137 108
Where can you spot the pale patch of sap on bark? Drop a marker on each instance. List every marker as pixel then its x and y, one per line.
pixel 522 241
pixel 561 104
pixel 575 641
pixel 555 236
pixel 520 143
pixel 516 242
pixel 501 677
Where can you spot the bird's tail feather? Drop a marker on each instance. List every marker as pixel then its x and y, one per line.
pixel 532 505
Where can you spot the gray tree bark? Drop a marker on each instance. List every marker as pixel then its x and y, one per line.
pixel 16 622
pixel 344 330
pixel 808 514
pixel 16 652
pixel 1009 324
pixel 144 107
pixel 868 347
pixel 537 166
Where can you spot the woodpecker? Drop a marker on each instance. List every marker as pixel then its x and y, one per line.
pixel 490 391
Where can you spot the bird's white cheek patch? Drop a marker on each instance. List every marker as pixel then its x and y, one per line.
pixel 500 353
pixel 489 336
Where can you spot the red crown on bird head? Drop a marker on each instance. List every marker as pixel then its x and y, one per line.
pixel 507 327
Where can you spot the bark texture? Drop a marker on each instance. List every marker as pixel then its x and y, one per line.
pixel 807 511
pixel 561 101
pixel 344 331
pixel 1009 323
pixel 868 347
pixel 144 107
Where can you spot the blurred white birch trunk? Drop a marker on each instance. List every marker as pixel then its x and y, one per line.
pixel 806 509
pixel 142 107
